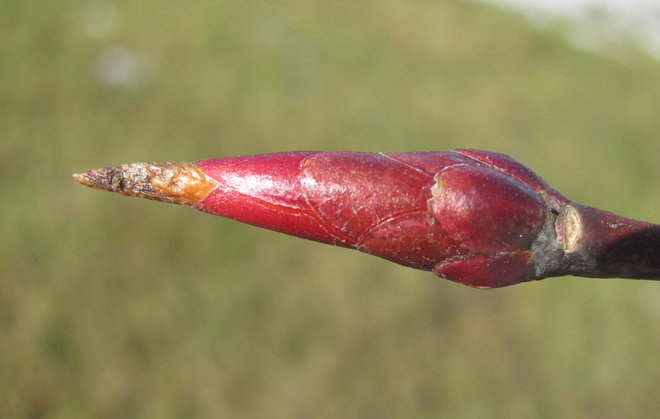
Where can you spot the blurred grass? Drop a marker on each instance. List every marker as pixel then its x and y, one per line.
pixel 114 307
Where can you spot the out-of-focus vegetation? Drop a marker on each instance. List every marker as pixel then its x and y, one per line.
pixel 115 307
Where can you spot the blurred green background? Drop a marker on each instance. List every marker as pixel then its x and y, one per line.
pixel 113 307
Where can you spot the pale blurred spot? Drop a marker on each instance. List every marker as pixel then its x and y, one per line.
pixel 99 19
pixel 603 26
pixel 120 66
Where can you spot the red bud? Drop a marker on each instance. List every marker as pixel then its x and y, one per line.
pixel 474 217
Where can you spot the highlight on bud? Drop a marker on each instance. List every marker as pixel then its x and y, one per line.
pixel 475 217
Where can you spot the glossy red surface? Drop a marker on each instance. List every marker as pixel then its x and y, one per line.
pixel 470 215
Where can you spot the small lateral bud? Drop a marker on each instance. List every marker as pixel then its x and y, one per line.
pixel 177 183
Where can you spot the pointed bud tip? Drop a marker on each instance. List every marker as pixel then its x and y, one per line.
pixel 177 183
pixel 80 178
pixel 91 178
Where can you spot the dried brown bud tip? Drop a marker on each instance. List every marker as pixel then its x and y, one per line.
pixel 177 183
